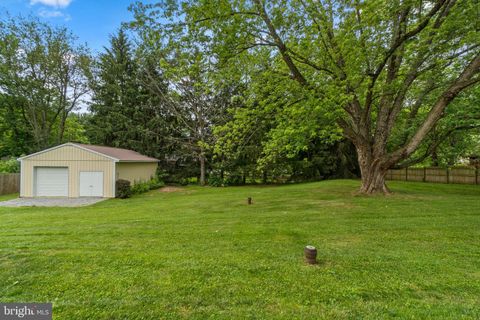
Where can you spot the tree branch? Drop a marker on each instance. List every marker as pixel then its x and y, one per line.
pixel 434 146
pixel 464 80
pixel 296 74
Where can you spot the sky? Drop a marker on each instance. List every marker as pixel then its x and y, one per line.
pixel 92 21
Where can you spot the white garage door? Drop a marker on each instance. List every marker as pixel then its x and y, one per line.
pixel 51 182
pixel 91 184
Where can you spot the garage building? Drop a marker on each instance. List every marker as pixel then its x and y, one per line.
pixel 79 170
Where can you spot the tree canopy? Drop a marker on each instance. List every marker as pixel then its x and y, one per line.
pixel 43 78
pixel 377 68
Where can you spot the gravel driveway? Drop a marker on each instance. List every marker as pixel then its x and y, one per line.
pixel 50 202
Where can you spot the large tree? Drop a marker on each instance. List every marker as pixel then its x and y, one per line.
pixel 124 111
pixel 44 73
pixel 197 98
pixel 15 136
pixel 378 68
pixel 196 106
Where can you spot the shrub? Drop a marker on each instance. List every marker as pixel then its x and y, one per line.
pixel 141 187
pixel 123 189
pixel 215 180
pixel 155 183
pixel 179 178
pixel 230 179
pixel 233 179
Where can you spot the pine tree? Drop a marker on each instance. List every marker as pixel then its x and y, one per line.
pixel 124 112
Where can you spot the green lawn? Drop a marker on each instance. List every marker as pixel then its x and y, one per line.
pixel 203 253
pixel 5 197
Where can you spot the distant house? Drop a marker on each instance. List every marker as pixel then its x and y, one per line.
pixel 79 170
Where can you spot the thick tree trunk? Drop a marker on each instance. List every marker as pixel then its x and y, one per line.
pixel 373 172
pixel 374 182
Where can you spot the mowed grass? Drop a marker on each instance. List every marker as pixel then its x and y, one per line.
pixel 5 197
pixel 204 253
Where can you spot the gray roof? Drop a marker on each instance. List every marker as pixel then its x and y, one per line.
pixel 123 155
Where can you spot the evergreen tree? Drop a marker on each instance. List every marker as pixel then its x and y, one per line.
pixel 124 112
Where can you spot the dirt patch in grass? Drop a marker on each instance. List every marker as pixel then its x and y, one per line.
pixel 171 189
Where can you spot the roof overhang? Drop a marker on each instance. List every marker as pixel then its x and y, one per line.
pixel 138 161
pixel 65 145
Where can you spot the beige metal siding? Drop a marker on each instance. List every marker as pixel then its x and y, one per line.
pixel 136 171
pixel 76 160
pixel 69 153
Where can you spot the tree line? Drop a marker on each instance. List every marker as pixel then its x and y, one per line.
pixel 255 91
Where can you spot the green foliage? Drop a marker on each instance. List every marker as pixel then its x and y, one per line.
pixel 199 96
pixel 278 137
pixel 319 161
pixel 234 179
pixel 143 104
pixel 123 189
pixel 75 129
pixel 456 136
pixel 229 178
pixel 144 186
pixel 182 171
pixel 125 113
pixel 155 183
pixel 9 166
pixel 140 187
pixel 15 136
pixel 43 79
pixel 215 179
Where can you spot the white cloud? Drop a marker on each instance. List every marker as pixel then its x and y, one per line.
pixel 45 13
pixel 52 3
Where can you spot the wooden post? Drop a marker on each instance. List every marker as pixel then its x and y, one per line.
pixel 406 174
pixel 476 175
pixel 448 176
pixel 249 200
pixel 424 174
pixel 310 255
